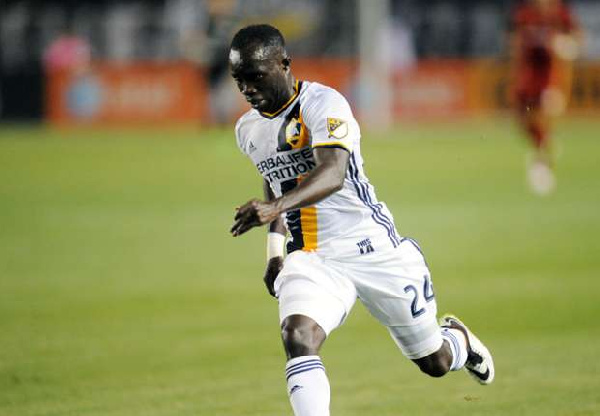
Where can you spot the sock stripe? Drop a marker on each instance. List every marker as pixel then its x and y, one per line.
pixel 298 365
pixel 302 370
pixel 307 385
pixel 455 347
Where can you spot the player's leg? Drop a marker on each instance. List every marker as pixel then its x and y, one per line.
pixel 312 302
pixel 435 350
pixel 535 125
pixel 460 349
pixel 301 335
pixel 438 363
pixel 307 382
pixel 540 173
pixel 533 107
pixel 397 290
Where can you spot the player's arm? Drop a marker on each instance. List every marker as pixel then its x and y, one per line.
pixel 275 241
pixel 277 225
pixel 325 179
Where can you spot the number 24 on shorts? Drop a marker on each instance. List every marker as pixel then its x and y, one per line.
pixel 428 295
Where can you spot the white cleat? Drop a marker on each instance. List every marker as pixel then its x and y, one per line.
pixel 541 179
pixel 480 364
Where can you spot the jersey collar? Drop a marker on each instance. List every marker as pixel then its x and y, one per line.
pixel 297 87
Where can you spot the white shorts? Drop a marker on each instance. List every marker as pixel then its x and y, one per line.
pixel 394 285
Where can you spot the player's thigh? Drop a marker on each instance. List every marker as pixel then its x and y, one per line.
pixel 308 286
pixel 398 291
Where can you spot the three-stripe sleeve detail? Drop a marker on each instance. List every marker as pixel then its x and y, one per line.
pixel 363 192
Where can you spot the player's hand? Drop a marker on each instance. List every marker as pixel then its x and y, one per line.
pixel 273 268
pixel 253 214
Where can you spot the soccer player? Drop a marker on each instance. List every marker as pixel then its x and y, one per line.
pixel 304 141
pixel 544 41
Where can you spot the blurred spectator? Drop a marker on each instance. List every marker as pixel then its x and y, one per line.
pixel 68 52
pixel 71 53
pixel 544 40
pixel 204 29
pixel 221 25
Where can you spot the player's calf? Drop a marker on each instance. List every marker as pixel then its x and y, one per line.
pixel 436 364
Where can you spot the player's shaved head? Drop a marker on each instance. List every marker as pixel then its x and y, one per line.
pixel 260 66
pixel 257 42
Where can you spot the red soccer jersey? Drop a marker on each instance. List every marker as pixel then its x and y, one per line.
pixel 535 29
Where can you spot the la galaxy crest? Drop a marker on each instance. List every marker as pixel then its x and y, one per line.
pixel 293 133
pixel 337 128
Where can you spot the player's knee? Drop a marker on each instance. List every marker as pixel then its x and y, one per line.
pixel 301 337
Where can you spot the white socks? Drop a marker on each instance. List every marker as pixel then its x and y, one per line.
pixel 458 346
pixel 308 386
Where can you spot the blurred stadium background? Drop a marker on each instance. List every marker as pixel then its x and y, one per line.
pixel 166 61
pixel 121 292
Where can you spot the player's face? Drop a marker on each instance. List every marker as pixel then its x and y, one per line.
pixel 263 82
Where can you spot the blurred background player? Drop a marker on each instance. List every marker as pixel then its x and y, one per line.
pixel 544 41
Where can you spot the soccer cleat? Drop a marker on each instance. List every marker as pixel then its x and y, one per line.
pixel 541 178
pixel 480 364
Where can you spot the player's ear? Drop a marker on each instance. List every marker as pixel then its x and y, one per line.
pixel 287 62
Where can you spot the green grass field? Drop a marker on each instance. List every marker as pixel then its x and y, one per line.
pixel 122 293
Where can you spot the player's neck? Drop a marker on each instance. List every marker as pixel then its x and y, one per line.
pixel 290 91
pixel 286 97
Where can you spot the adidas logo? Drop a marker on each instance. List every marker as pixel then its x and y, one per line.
pixel 251 148
pixel 295 388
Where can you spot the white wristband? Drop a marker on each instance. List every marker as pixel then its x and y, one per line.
pixel 275 245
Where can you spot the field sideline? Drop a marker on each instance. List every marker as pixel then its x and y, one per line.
pixel 122 293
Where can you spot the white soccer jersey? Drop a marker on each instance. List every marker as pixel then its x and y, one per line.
pixel 349 222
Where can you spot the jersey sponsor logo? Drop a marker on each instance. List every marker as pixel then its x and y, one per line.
pixel 337 128
pixel 286 166
pixel 365 246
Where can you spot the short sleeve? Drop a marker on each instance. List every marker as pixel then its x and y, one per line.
pixel 328 117
pixel 238 135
